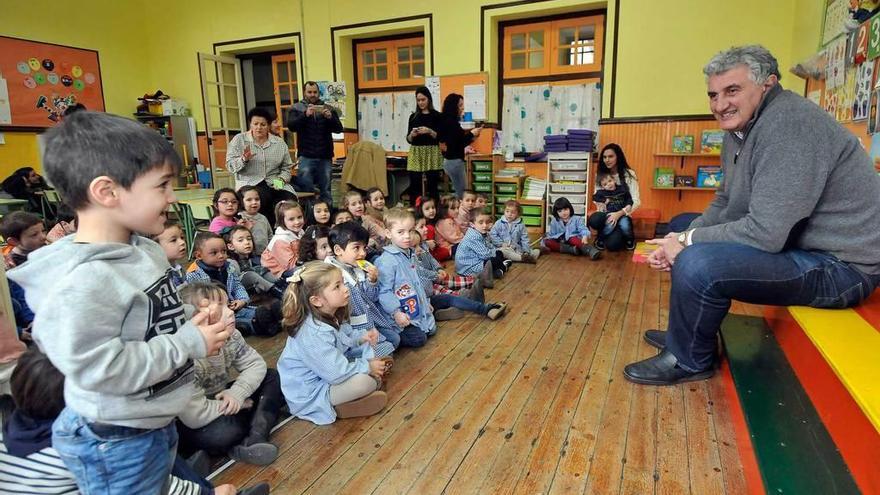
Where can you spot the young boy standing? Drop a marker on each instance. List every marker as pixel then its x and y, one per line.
pixel 401 293
pixel 107 315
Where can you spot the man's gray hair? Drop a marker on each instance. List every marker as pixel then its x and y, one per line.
pixel 761 63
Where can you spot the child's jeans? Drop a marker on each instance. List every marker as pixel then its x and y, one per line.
pixel 412 336
pixel 443 301
pixel 114 459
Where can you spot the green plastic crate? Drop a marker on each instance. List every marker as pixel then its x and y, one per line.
pixel 506 188
pixel 531 221
pixel 532 210
pixel 482 187
pixel 482 166
pixel 499 199
pixel 482 177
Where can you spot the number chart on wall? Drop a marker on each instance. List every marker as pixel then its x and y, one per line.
pixel 38 81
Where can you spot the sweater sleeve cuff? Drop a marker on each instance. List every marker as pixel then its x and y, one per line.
pixel 190 337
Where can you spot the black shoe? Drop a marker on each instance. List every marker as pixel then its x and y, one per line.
pixel 630 245
pixel 260 489
pixel 267 321
pixel 656 338
pixel 599 244
pixel 506 264
pixel 499 273
pixel 566 248
pixel 258 454
pixel 590 251
pixel 662 369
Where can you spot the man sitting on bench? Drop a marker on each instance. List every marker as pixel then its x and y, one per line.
pixel 796 221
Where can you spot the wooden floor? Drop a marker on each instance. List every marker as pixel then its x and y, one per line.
pixel 533 403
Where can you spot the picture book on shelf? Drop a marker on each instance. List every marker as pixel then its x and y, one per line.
pixel 684 181
pixel 664 177
pixel 709 176
pixel 682 144
pixel 711 142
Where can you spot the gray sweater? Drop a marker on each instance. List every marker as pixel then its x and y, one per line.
pixel 110 320
pixel 796 179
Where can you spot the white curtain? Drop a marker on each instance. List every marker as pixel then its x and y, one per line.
pixel 532 112
pixel 383 118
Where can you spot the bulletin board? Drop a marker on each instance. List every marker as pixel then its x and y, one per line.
pixel 38 81
pixel 457 83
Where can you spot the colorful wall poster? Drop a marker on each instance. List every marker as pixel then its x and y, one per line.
pixel 44 79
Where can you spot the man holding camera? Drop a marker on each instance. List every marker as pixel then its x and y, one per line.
pixel 314 123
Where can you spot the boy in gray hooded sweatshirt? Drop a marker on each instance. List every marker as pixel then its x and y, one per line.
pixel 107 315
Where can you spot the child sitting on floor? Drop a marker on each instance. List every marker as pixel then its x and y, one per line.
pixel 315 244
pixel 342 216
pixel 226 415
pixel 476 255
pixel 449 304
pixel 481 202
pixel 426 211
pixel 354 203
pixel 568 233
pixel 244 263
pixel 447 232
pixel 509 235
pixel 468 203
pixel 321 213
pixel 173 243
pixel 249 197
pixel 317 379
pixel 443 282
pixel 225 210
pixel 280 255
pixel 212 264
pixel 401 293
pixel 24 233
pixel 29 463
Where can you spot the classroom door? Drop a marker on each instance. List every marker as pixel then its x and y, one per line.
pixel 223 104
pixel 286 88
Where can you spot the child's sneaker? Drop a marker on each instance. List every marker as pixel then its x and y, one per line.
pixel 447 314
pixel 527 258
pixel 506 264
pixel 259 454
pixel 630 244
pixel 496 310
pixel 590 251
pixel 599 244
pixel 566 248
pixel 499 273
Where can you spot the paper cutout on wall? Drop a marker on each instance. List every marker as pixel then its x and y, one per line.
pixel 433 85
pixel 836 14
pixel 835 70
pixel 864 85
pixel 475 101
pixel 331 92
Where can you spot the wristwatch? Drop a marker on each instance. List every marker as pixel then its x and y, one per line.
pixel 682 238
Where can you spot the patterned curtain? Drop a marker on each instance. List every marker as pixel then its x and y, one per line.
pixel 383 118
pixel 532 112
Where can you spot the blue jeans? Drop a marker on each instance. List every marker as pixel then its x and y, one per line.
pixel 244 320
pixel 443 301
pixel 706 276
pixel 391 335
pixel 314 172
pixel 110 459
pixel 455 169
pixel 413 336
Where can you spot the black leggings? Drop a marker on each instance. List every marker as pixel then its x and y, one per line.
pixel 432 184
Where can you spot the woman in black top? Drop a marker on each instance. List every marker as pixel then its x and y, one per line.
pixel 453 140
pixel 424 154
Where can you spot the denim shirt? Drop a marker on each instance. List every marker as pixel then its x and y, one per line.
pixel 574 228
pixel 473 252
pixel 512 234
pixel 314 359
pixel 399 284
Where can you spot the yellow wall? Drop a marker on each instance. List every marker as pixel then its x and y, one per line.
pixel 662 43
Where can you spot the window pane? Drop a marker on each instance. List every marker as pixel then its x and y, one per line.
pixel 536 40
pixel 368 56
pixel 536 60
pixel 403 54
pixel 578 54
pixel 281 69
pixel 566 36
pixel 284 94
pixel 381 56
pixel 419 69
pixel 381 72
pixel 418 52
pixel 518 61
pixel 587 32
pixel 403 71
pixel 369 75
pixel 518 42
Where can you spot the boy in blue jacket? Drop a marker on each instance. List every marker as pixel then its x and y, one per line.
pixel 510 237
pixel 401 292
pixel 476 255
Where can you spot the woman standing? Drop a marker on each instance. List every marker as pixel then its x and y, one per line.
pixel 607 225
pixel 453 140
pixel 424 154
pixel 260 159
